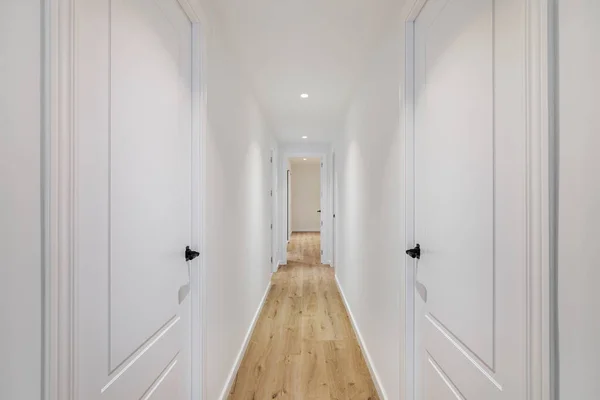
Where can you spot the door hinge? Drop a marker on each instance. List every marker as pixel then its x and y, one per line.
pixel 321 252
pixel 271 260
pixel 271 193
pixel 321 223
pixel 271 160
pixel 271 226
pixel 321 165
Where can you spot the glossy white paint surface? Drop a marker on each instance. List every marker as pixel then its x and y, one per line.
pixel 133 199
pixel 20 200
pixel 470 200
pixel 579 197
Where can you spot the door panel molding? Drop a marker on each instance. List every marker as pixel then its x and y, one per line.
pixel 541 332
pixel 60 202
pixel 464 349
pixel 60 335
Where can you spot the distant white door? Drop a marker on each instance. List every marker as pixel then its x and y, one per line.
pixel 322 232
pixel 334 193
pixel 470 201
pixel 134 201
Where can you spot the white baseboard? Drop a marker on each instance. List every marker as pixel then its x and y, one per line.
pixel 306 231
pixel 240 357
pixel 362 345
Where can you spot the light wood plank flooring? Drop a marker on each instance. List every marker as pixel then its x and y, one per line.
pixel 303 346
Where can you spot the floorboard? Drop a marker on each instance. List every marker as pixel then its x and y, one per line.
pixel 303 345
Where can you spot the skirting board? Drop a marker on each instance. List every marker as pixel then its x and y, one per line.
pixel 361 343
pixel 240 357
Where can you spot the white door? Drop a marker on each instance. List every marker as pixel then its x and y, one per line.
pixel 133 200
pixel 334 193
pixel 321 212
pixel 470 200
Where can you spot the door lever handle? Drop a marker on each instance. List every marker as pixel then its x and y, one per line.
pixel 415 253
pixel 190 254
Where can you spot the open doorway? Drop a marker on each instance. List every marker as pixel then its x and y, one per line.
pixel 304 210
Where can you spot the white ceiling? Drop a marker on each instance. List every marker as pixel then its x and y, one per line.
pixel 305 160
pixel 319 47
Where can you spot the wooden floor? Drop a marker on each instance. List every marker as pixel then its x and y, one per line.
pixel 303 346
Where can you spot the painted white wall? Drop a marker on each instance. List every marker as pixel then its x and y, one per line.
pixel 579 199
pixel 369 165
pixel 20 200
pixel 306 197
pixel 238 177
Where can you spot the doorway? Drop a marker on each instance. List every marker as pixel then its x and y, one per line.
pixel 305 206
pixel 319 156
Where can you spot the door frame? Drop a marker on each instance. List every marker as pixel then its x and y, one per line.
pixel 322 151
pixel 288 208
pixel 59 203
pixel 334 211
pixel 542 356
pixel 274 249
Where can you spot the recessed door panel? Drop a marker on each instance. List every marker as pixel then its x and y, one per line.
pixel 134 190
pixel 470 174
pixel 150 187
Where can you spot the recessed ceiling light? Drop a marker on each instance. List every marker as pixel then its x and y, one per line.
pixel 304 95
pixel 304 137
pixel 304 159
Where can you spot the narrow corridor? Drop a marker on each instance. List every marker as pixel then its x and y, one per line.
pixel 303 346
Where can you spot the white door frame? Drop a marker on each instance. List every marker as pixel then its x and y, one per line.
pixel 59 143
pixel 541 199
pixel 334 211
pixel 287 151
pixel 274 191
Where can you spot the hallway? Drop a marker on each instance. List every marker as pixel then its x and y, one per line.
pixel 343 199
pixel 303 346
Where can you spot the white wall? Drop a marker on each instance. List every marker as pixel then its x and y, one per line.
pixel 306 197
pixel 20 200
pixel 370 235
pixel 579 199
pixel 237 251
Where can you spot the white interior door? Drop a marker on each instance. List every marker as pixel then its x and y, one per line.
pixel 134 200
pixel 470 200
pixel 334 194
pixel 322 209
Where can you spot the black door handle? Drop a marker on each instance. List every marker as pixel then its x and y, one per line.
pixel 318 211
pixel 415 253
pixel 190 254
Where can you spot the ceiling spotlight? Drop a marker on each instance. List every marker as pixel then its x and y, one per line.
pixel 304 159
pixel 304 137
pixel 304 95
